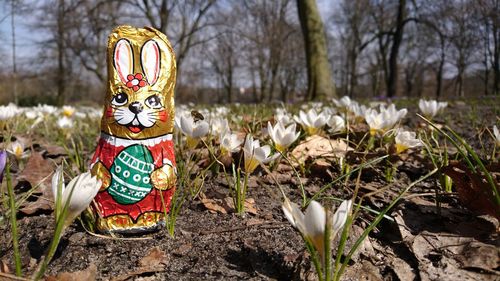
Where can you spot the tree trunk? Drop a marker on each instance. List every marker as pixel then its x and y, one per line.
pixel 353 79
pixel 14 65
pixel 320 82
pixel 496 60
pixel 60 79
pixel 439 79
pixel 230 82
pixel 392 78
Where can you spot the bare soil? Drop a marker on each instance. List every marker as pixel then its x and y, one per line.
pixel 422 242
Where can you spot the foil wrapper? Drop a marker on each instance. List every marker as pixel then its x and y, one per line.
pixel 134 157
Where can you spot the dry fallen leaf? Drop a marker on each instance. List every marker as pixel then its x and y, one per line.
pixel 226 205
pixel 366 247
pixel 443 255
pixel 53 151
pixel 479 255
pixel 314 147
pixel 402 269
pixel 249 205
pixel 155 258
pixel 90 273
pixel 439 257
pixel 154 261
pixel 473 190
pixel 4 267
pixel 214 205
pixel 364 270
pixel 38 173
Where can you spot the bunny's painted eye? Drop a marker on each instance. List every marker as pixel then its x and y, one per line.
pixel 120 99
pixel 153 102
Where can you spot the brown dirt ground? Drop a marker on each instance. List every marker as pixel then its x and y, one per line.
pixel 423 243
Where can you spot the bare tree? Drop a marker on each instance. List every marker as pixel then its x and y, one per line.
pixel 462 36
pixel 390 18
pixel 87 40
pixel 54 19
pixel 223 59
pixel 184 22
pixel 489 23
pixel 292 75
pixel 355 28
pixel 266 28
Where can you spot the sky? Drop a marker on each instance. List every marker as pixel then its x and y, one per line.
pixel 25 39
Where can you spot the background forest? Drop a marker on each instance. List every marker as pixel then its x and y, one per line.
pixel 253 51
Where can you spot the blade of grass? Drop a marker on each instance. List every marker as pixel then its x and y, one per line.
pixel 368 209
pixel 362 166
pixel 377 221
pixel 464 155
pixel 13 221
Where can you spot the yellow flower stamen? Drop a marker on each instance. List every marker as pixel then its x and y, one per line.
pixel 400 148
pixel 280 148
pixel 312 131
pixel 192 142
pixel 251 165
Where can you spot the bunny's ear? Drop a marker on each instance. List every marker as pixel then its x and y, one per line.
pixel 150 61
pixel 123 59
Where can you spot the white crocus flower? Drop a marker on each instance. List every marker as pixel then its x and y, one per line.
pixel 33 114
pixel 311 121
pixel 375 120
pixel 68 110
pixel 358 111
pixel 328 111
pixel 17 149
pixel 229 142
pixel 496 133
pixel 336 124
pixel 312 224
pixel 222 110
pixel 405 140
pixel 281 136
pixel 316 105
pixel 344 103
pixel 218 126
pixel 431 108
pixel 46 109
pixel 255 154
pixel 193 130
pixel 8 111
pixel 283 117
pixel 65 123
pixel 80 115
pixel 393 114
pixel 94 113
pixel 384 120
pixel 78 194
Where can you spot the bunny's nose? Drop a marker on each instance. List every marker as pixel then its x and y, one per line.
pixel 135 107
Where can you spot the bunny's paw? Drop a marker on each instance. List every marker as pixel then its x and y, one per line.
pixel 102 173
pixel 163 178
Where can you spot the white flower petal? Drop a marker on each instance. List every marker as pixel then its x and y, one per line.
pixel 340 217
pixel 57 180
pixel 315 218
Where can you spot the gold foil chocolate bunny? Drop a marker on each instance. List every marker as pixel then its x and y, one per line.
pixel 135 154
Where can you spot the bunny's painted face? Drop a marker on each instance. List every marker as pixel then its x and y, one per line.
pixel 139 104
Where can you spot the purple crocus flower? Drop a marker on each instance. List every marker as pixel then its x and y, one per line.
pixel 3 162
